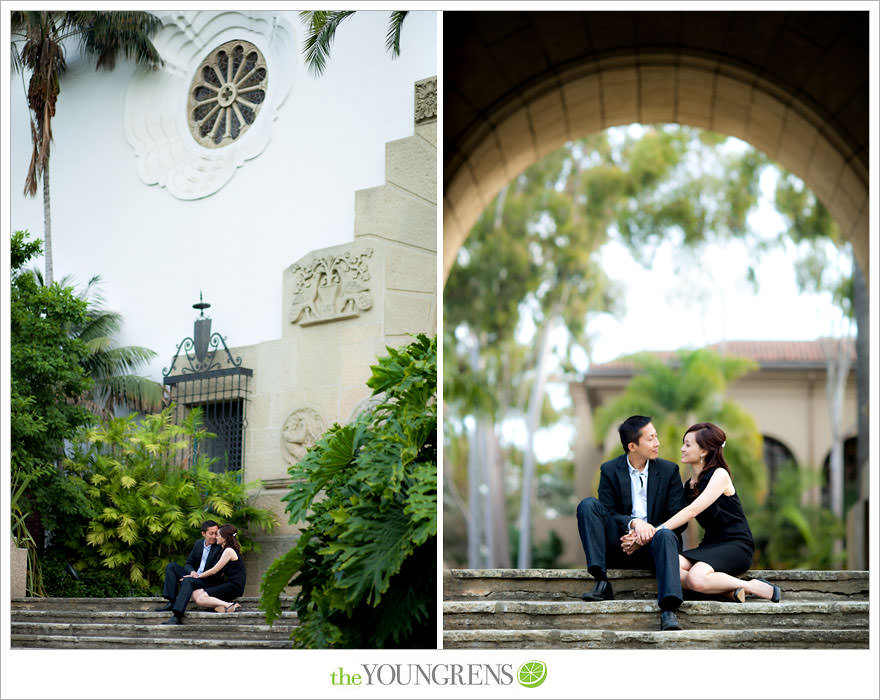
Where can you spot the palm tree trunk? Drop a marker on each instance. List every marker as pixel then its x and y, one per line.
pixel 47 225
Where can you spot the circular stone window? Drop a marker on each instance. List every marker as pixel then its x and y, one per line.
pixel 226 93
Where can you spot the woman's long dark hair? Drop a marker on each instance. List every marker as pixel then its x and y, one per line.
pixel 229 533
pixel 712 439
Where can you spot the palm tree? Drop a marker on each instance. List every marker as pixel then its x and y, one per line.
pixel 111 367
pixel 38 45
pixel 322 26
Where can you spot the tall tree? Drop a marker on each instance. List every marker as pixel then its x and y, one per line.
pixel 528 257
pixel 39 42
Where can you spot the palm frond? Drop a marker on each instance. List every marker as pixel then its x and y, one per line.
pixel 322 26
pixel 392 37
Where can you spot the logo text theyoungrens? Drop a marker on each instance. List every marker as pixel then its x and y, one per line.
pixel 425 674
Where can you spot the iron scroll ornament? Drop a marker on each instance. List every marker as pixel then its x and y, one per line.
pixel 201 352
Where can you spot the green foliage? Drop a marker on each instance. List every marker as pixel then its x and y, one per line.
pixel 92 583
pixel 45 364
pixel 790 534
pixel 365 497
pixel 321 31
pixel 545 555
pixel 147 508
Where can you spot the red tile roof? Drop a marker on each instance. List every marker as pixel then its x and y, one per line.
pixel 767 353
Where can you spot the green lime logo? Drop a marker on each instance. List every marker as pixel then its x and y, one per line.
pixel 531 674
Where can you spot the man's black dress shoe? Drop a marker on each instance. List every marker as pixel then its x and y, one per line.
pixel 602 591
pixel 777 591
pixel 173 621
pixel 668 621
pixel 165 607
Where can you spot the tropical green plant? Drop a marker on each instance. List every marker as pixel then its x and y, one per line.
pixel 322 26
pixel 38 43
pixel 45 364
pixel 46 376
pixel 792 534
pixel 148 508
pixel 111 367
pixel 62 580
pixel 365 497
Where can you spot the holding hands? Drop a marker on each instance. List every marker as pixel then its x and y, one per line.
pixel 641 533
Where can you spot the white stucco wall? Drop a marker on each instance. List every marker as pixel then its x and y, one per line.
pixel 156 252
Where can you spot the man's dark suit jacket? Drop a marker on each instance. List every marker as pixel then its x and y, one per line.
pixel 665 491
pixel 195 558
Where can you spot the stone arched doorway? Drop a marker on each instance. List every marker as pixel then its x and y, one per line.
pixel 518 85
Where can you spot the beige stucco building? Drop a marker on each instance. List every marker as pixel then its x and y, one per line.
pixel 342 306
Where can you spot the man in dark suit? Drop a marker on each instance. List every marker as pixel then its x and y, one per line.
pixel 177 589
pixel 636 491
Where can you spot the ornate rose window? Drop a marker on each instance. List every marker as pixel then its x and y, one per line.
pixel 226 93
pixel 211 107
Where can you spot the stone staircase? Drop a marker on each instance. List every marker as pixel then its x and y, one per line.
pixel 132 623
pixel 542 609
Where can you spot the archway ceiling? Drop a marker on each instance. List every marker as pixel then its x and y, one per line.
pixel 519 84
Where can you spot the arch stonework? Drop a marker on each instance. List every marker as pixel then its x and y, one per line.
pixel 793 87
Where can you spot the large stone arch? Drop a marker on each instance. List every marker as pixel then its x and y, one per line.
pixel 518 85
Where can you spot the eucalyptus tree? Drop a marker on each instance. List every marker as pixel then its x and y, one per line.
pixel 39 42
pixel 528 257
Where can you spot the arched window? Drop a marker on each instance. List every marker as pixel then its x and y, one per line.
pixel 850 475
pixel 776 456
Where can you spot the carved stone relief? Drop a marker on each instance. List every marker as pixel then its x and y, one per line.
pixel 368 404
pixel 426 100
pixel 331 288
pixel 301 430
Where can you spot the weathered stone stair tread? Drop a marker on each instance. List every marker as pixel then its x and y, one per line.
pixel 144 604
pixel 543 609
pixel 50 641
pixel 643 615
pixel 570 584
pixel 145 617
pixel 95 623
pixel 201 631
pixel 694 639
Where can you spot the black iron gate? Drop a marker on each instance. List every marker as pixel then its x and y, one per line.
pixel 208 378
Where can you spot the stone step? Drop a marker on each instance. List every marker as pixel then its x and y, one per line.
pixel 129 623
pixel 132 604
pixel 117 617
pixel 683 639
pixel 50 641
pixel 634 584
pixel 239 632
pixel 619 615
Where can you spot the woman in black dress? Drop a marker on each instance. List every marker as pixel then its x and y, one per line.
pixel 230 561
pixel 727 547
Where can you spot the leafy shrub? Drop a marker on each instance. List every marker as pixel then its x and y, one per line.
pixel 93 583
pixel 365 561
pixel 148 509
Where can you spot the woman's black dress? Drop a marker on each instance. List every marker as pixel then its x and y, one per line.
pixel 727 544
pixel 233 586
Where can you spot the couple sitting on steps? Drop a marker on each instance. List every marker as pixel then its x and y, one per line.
pixel 213 573
pixel 642 509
